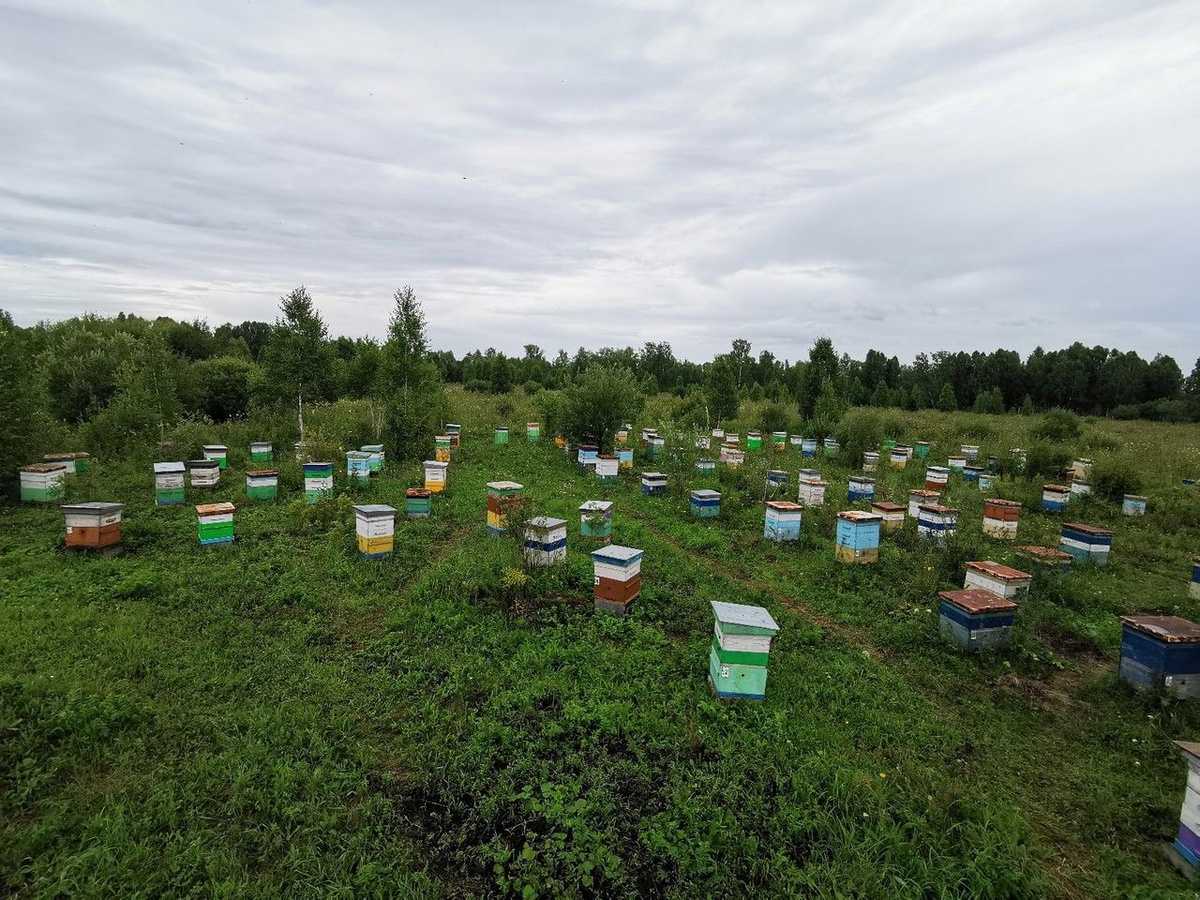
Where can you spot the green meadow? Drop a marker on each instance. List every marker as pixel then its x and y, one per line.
pixel 281 718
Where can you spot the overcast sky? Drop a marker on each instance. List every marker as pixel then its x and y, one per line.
pixel 903 176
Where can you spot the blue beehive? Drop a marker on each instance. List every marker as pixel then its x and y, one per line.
pixel 860 488
pixel 858 536
pixel 777 480
pixel 971 473
pixel 1055 497
pixel 808 446
pixel 1134 505
pixel 706 504
pixel 1085 543
pixel 1195 588
pixel 782 521
pixel 654 483
pixel 588 454
pixel 976 619
pixel 1161 652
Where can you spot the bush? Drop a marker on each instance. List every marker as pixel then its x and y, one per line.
pixel 860 430
pixel 1112 479
pixel 1044 460
pixel 476 385
pixel 1058 425
pixel 531 387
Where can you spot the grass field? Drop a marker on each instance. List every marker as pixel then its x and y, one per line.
pixel 281 718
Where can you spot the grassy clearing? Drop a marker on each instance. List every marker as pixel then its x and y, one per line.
pixel 279 717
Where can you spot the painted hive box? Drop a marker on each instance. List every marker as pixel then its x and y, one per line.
pixel 545 541
pixel 93 526
pixel 1086 543
pixel 1000 579
pixel 217 452
pixel 740 650
pixel 42 482
pixel 214 523
pixel 262 484
pixel 318 481
pixel 617 578
pixel 976 619
pixel 936 522
pixel 654 483
pixel 1000 518
pixel 375 530
pixel 418 503
pixel 705 504
pixel 891 513
pixel 858 537
pixel 595 519
pixel 782 521
pixel 204 473
pixel 168 483
pixel 1161 653
pixel 502 496
pixel 435 475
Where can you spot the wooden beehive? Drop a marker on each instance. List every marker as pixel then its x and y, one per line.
pixel 375 458
pixel 1080 488
pixel 261 451
pixel 586 458
pixel 1187 839
pixel 654 483
pixel 441 448
pixel 740 651
pixel 318 481
pixel 1133 505
pixel 956 464
pixel 1082 468
pixel 830 446
pixel 595 519
pixel 1000 518
pixel 860 488
pixel 991 576
pixel 654 449
pixel 706 504
pixel 898 458
pixel 970 452
pixel 375 530
pixel 204 473
pixel 72 463
pixel 706 466
pixel 1086 543
pixel 858 536
pixel 936 478
pixel 168 483
pixel 1161 653
pixel 779 440
pixel 358 467
pixel 971 474
pixel 545 541
pixel 731 457
pixel 754 440
pixel 718 433
pixel 976 619
pixel 93 526
pixel 891 513
pixel 987 481
pixel 617 578
pixel 454 432
pixel 935 521
pixel 782 522
pixel 501 497
pixel 501 434
pixel 916 498
pixel 625 458
pixel 217 452
pixel 435 475
pixel 921 449
pixel 42 482
pixel 606 468
pixel 418 503
pixel 870 461
pixel 262 484
pixel 808 447
pixel 214 523
pixel 812 491
pixel 1046 559
pixel 1055 497
pixel 533 432
pixel 777 481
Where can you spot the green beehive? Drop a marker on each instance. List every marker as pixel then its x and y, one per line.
pixel 261 452
pixel 533 431
pixel 501 435
pixel 262 484
pixel 218 453
pixel 376 457
pixel 214 523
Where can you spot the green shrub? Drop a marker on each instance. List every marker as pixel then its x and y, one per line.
pixel 1044 460
pixel 1058 425
pixel 1113 478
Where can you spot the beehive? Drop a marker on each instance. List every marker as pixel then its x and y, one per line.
pixel 1004 580
pixel 595 519
pixel 808 447
pixel 1055 497
pixel 796 441
pixel 936 521
pixel 654 449
pixel 891 513
pixel 454 432
pixel 606 468
pixel 1187 838
pixel 586 458
pixel 623 437
pixel 502 496
pixel 860 488
pixel 1018 458
pixel 732 457
pixel 93 526
pixel 956 464
pixel 617 578
pixel 214 523
pixel 533 432
pixel 418 503
pixel 1000 518
pixel 168 483
pixel 740 651
pixel 1194 590
pixel 1161 653
pixel 1133 505
pixel 375 529
pixel 262 484
pixel 435 475
pixel 812 491
pixel 777 481
pixel 870 461
pixel 261 451
pixel 970 452
pixel 718 433
pixel 908 451
pixel 936 478
pixel 501 434
pixel 1046 559
pixel 706 504
pixel 706 466
pixel 42 482
pixel 921 449
pixel 831 446
pixel 1080 488
pixel 898 458
pixel 301 450
pixel 375 459
pixel 204 473
pixel 782 522
pixel 358 467
pixel 441 448
pixel 72 463
pixel 971 474
pixel 318 481
pixel 703 442
pixel 545 541
pixel 625 458
pixel 648 433
pixel 779 440
pixel 976 619
pixel 1086 543
pixel 732 437
pixel 217 452
pixel 858 536
pixel 654 483
pixel 987 481
pixel 1082 468
pixel 916 498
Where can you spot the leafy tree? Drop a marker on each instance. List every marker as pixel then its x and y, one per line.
pixel 1058 425
pixel 191 340
pixel 831 407
pixel 946 401
pixel 80 367
pixel 20 415
pixel 1164 379
pixel 1027 406
pixel 223 387
pixel 740 356
pixel 408 380
pixel 721 388
pixel 990 402
pixel 297 361
pixel 598 402
pixel 881 397
pixel 822 367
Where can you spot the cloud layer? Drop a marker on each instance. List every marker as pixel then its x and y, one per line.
pixel 901 176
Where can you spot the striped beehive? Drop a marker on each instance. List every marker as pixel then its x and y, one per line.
pixel 93 526
pixel 812 491
pixel 830 446
pixel 703 442
pixel 214 523
pixel 731 456
pixel 796 441
pixel 654 449
pixel 1187 839
pixel 921 449
pixel 987 481
pixel 168 483
pixel 1048 560
pixel 1082 468
pixel 706 466
pixel 706 504
pixel 318 481
pixel 1055 497
pixel 1000 518
pixel 891 513
pixel 533 432
pixel 545 541
pixel 648 433
pixel 898 458
pixel 858 536
pixel 1194 590
pixel 971 474
pixel 740 651
pixel 782 520
pixel 376 458
pixel 870 461
pixel 917 497
pixel 970 452
pixel 261 451
pixel 1133 505
pixel 808 447
pixel 976 619
pixel 625 458
pixel 860 488
pixel 1004 580
pixel 623 437
pixel 617 578
pixel 72 463
pixel 43 482
pixel 935 521
pixel 606 468
pixel 936 478
pixel 586 458
pixel 1085 543
pixel 501 434
pixel 908 451
pixel 718 433
pixel 375 530
pixel 204 473
pixel 956 464
pixel 262 484
pixel 502 496
pixel 217 452
pixel 454 432
pixel 441 448
pixel 810 473
pixel 1080 488
pixel 654 483
pixel 435 475
pixel 779 440
pixel 1161 653
pixel 358 467
pixel 1018 457
pixel 733 438
pixel 777 481
pixel 418 503
pixel 595 519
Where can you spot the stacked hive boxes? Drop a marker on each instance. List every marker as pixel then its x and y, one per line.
pixel 1046 559
pixel 72 463
pixel 706 466
pixel 783 521
pixel 214 523
pixel 860 488
pixel 777 481
pixel 648 433
pixel 606 468
pixel 870 461
pixel 741 647
pixel 218 453
pixel 831 446
pixel 975 618
pixel 706 504
pixel 435 475
pixel 898 458
pixel 812 490
pixel 623 436
pixel 318 481
pixel 718 433
pixel 204 473
pixel 588 454
pixel 858 536
pixel 358 467
pixel 733 438
pixel 454 432
pixel 375 457
pixel 971 474
pixel 375 528
pixel 43 482
pixel 93 526
pixel 936 478
pixel 779 440
pixel 1080 488
pixel 617 578
pixel 970 452
pixel 260 451
pixel 1086 543
pixel 1055 497
pixel 986 481
pixel 1000 518
pixel 754 440
pixel 917 498
pixel 501 497
pixel 956 464
pixel 625 458
pixel 545 541
pixel 892 515
pixel 418 503
pixel 441 448
pixel 533 431
pixel 1003 580
pixel 262 484
pixel 731 456
pixel 1134 505
pixel 168 483
pixel 654 449
pixel 595 519
pixel 1161 653
pixel 1187 839
pixel 921 449
pixel 936 521
pixel 654 483
pixel 908 452
pixel 501 434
